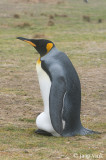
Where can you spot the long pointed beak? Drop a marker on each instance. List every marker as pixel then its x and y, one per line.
pixel 27 40
pixel 23 39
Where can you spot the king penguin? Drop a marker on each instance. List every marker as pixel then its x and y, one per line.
pixel 60 90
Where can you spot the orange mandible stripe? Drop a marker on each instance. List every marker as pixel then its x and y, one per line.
pixel 30 43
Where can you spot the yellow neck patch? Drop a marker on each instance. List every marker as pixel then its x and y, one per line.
pixel 49 47
pixel 30 43
pixel 38 61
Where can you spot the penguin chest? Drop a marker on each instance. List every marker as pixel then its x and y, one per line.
pixel 43 120
pixel 45 85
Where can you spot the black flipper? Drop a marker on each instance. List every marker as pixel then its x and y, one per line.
pixel 57 92
pixel 41 132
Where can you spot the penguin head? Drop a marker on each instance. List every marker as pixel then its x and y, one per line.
pixel 43 46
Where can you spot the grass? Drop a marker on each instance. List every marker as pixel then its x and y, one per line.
pixel 84 42
pixel 25 144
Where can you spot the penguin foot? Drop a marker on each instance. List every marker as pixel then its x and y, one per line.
pixel 85 131
pixel 42 132
pixel 82 131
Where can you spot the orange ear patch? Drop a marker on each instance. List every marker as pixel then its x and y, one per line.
pixel 30 43
pixel 49 47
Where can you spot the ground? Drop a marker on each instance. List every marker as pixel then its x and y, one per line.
pixel 78 29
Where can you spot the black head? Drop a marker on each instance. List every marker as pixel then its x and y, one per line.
pixel 43 46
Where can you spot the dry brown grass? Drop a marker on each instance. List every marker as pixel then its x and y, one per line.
pixel 39 36
pixel 86 18
pixel 23 25
pixel 51 23
pixel 16 16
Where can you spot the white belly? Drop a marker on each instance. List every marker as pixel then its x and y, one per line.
pixel 43 121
